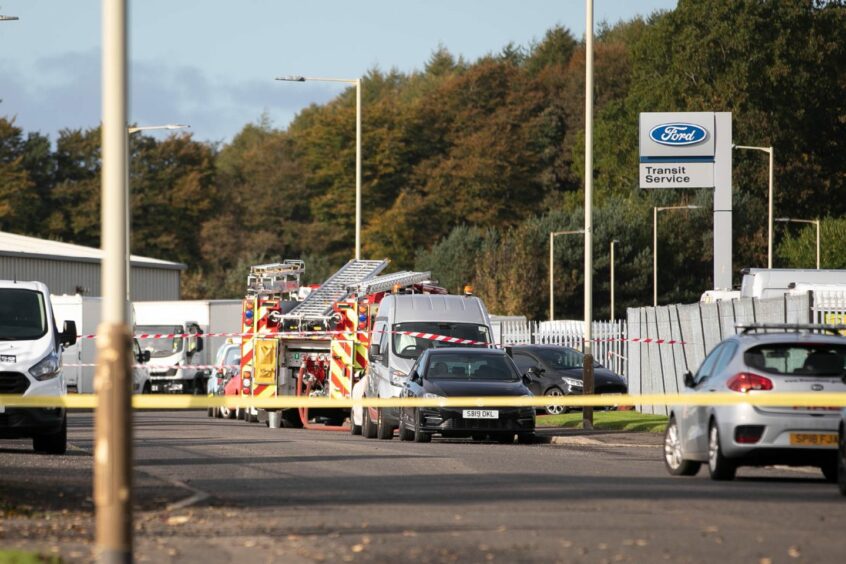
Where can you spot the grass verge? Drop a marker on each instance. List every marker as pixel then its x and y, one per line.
pixel 608 420
pixel 24 557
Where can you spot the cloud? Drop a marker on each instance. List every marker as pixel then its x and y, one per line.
pixel 64 92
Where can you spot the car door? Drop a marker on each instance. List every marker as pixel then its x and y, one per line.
pixel 694 438
pixel 377 369
pixel 524 362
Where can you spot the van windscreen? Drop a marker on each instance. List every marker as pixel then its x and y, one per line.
pixel 23 316
pixel 410 346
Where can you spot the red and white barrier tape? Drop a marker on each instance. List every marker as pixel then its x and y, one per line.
pixel 162 366
pixel 301 335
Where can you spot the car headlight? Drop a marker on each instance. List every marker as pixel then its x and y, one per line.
pixel 427 395
pixel 398 377
pixel 47 368
pixel 573 382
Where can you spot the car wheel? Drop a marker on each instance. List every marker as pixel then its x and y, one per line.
pixel 405 434
pixel 420 436
pixel 841 460
pixel 249 416
pixel 354 429
pixel 526 438
pixel 52 443
pixel 830 471
pixel 368 429
pixel 218 413
pixel 719 467
pixel 674 460
pixel 226 413
pixel 210 412
pixel 384 432
pixel 148 388
pixel 554 409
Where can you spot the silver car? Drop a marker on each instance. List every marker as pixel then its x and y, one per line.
pixel 797 358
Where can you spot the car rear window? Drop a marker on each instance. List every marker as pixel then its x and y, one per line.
pixel 470 367
pixel 806 359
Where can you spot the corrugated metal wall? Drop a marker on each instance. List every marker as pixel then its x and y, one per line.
pixel 65 276
pixel 659 368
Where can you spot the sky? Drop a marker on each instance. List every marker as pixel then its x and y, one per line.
pixel 211 64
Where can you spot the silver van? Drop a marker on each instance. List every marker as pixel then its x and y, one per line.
pixel 394 346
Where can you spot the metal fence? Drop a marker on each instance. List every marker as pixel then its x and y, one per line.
pixel 609 347
pixel 680 336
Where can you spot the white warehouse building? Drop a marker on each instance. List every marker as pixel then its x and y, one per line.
pixel 74 269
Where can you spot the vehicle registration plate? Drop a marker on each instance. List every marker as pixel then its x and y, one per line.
pixel 814 439
pixel 480 414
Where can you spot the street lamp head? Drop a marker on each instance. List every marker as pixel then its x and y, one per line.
pixel 292 78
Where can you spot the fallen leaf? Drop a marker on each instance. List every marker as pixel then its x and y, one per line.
pixel 357 547
pixel 178 520
pixel 793 552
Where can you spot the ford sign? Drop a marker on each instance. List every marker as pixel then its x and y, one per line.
pixel 677 134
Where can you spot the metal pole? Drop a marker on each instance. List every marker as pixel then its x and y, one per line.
pixel 587 413
pixel 770 214
pixel 818 243
pixel 654 257
pixel 358 169
pixel 551 277
pixel 113 426
pixel 612 279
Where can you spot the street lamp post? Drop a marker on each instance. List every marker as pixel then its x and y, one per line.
pixel 655 211
pixel 357 83
pixel 552 236
pixel 613 242
pixel 769 151
pixel 815 222
pixel 129 131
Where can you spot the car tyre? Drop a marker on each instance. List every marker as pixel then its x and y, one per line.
pixel 420 436
pixel 830 471
pixel 249 416
pixel 354 429
pixel 368 429
pixel 719 467
pixel 52 443
pixel 674 460
pixel 526 438
pixel 405 434
pixel 554 392
pixel 384 432
pixel 148 388
pixel 841 460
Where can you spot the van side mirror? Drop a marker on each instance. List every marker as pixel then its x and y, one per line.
pixel 199 346
pixel 68 335
pixel 374 352
pixel 688 379
pixel 145 356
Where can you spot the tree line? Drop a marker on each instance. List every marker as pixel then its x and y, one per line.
pixel 468 166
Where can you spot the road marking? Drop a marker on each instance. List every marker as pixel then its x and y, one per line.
pixel 586 441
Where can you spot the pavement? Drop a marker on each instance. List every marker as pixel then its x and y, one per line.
pixel 210 490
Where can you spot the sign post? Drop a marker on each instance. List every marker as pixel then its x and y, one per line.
pixel 693 150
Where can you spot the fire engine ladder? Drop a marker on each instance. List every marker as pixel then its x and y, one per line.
pixel 318 304
pixel 387 282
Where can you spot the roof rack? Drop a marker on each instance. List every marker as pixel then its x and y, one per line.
pixel 789 327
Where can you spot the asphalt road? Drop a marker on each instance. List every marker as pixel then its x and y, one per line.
pixel 225 491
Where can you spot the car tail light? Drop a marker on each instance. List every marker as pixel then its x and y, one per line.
pixel 746 382
pixel 748 434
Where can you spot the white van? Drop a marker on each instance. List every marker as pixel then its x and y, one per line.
pixel 775 282
pixel 31 364
pixel 392 352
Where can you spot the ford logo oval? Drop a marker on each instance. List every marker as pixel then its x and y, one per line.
pixel 676 134
pixel 817 387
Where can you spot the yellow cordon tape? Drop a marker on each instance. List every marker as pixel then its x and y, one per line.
pixel 147 401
